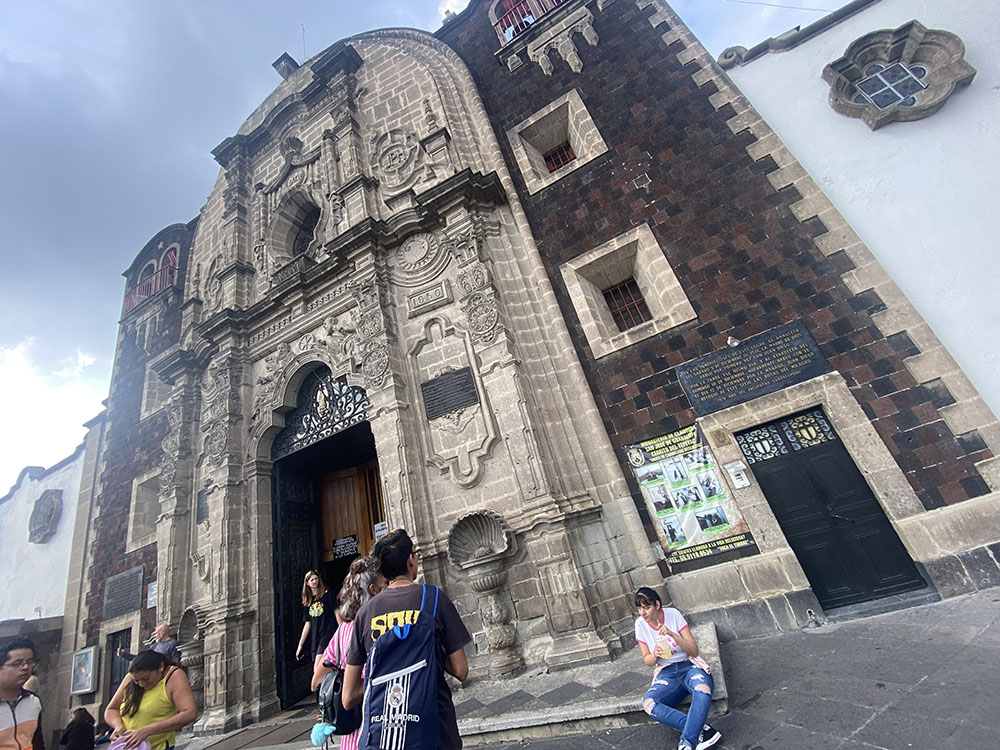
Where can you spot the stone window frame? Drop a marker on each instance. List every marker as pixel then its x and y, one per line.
pixel 565 119
pixel 45 515
pixel 142 513
pixel 155 394
pixel 636 254
pixel 941 53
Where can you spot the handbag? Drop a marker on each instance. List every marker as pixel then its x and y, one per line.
pixel 331 704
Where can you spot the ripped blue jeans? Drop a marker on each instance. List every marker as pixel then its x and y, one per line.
pixel 669 687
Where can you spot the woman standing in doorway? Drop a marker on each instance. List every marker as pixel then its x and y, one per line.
pixel 152 703
pixel 320 621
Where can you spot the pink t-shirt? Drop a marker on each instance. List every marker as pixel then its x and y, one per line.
pixel 675 622
pixel 339 645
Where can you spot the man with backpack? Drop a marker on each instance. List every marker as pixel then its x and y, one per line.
pixel 406 638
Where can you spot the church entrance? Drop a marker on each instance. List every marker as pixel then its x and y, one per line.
pixel 836 527
pixel 327 507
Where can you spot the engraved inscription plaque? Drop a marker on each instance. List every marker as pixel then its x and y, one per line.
pixel 449 392
pixel 123 593
pixel 760 365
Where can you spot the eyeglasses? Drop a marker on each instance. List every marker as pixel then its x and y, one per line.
pixel 21 662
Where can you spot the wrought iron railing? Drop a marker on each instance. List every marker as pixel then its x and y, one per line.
pixel 521 16
pixel 147 287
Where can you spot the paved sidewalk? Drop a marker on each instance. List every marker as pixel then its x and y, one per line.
pixel 925 678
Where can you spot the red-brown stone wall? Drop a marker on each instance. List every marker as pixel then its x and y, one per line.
pixel 745 262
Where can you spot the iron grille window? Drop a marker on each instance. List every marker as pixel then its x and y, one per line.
pixel 626 304
pixel 559 156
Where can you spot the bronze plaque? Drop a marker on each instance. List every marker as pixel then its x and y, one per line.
pixel 449 392
pixel 123 593
pixel 760 365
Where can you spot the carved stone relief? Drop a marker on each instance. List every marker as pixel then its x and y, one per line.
pixel 457 443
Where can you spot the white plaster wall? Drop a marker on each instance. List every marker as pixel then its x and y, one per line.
pixel 35 575
pixel 922 195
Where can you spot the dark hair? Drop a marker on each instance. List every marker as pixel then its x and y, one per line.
pixel 363 573
pixel 392 551
pixel 144 661
pixel 17 644
pixel 646 597
pixel 81 716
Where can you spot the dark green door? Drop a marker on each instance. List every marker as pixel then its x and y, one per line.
pixel 834 524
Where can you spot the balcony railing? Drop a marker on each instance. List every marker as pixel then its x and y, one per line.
pixel 521 16
pixel 155 282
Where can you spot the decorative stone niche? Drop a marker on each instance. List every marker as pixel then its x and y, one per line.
pixel 899 74
pixel 479 544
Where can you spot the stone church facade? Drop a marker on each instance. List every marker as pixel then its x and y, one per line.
pixel 392 311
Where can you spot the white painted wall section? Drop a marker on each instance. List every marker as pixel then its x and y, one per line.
pixel 922 195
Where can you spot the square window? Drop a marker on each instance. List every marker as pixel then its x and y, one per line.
pixel 894 72
pixel 885 98
pixel 555 141
pixel 625 291
pixel 144 512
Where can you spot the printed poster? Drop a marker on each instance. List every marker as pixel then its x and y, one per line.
pixel 686 494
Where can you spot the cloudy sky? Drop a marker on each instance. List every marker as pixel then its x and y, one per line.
pixel 110 109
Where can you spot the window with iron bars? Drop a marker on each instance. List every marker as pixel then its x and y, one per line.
pixel 560 156
pixel 626 304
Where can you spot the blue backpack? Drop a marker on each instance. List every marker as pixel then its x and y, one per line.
pixel 401 686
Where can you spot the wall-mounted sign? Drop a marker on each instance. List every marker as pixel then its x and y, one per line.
pixel 755 367
pixel 151 595
pixel 686 494
pixel 345 546
pixel 449 392
pixel 381 529
pixel 123 593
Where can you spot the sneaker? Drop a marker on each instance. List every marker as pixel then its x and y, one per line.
pixel 684 746
pixel 708 737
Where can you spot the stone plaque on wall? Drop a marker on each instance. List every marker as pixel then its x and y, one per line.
pixel 449 392
pixel 123 593
pixel 755 367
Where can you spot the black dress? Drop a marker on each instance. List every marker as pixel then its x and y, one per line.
pixel 323 619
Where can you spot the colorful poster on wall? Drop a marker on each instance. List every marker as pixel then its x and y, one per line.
pixel 685 492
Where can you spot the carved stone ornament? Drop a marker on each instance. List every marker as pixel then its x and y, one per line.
pixel 45 517
pixel 216 442
pixel 899 74
pixel 479 544
pixel 396 157
pixel 375 364
pixel 325 407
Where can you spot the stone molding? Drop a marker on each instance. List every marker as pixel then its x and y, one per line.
pixel 969 412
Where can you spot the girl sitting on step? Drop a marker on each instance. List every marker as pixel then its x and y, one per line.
pixel 667 644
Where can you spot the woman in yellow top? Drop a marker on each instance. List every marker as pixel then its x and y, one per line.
pixel 152 703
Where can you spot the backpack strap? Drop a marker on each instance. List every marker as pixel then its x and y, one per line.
pixel 423 598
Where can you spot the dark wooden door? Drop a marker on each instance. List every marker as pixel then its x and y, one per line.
pixel 828 513
pixel 295 553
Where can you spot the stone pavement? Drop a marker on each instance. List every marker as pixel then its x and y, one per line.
pixel 923 678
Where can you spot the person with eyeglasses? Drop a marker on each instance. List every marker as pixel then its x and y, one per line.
pixel 21 710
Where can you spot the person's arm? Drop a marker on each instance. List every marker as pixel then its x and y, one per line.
pixel 684 639
pixel 179 693
pixel 319 672
pixel 302 639
pixel 648 658
pixel 353 690
pixel 113 714
pixel 457 665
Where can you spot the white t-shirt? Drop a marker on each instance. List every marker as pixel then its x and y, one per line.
pixel 674 621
